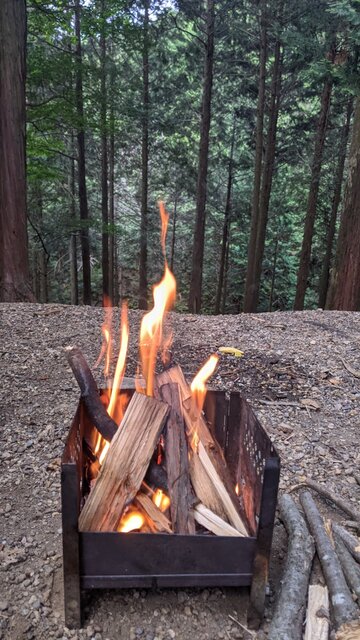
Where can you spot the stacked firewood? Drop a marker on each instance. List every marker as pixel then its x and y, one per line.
pixel 165 441
pixel 338 551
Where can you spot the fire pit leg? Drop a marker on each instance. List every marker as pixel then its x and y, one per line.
pixel 71 567
pixel 264 538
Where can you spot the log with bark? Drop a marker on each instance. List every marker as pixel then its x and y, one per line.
pixel 209 473
pixel 350 568
pixel 287 622
pixel 344 609
pixel 351 542
pixel 317 615
pixel 330 495
pixel 125 465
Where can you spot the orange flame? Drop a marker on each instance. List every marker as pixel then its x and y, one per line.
pixel 121 363
pixel 164 224
pixel 106 347
pixel 164 295
pixel 131 521
pixel 161 500
pixel 198 385
pixel 237 489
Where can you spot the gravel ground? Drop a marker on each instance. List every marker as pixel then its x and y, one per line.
pixel 294 374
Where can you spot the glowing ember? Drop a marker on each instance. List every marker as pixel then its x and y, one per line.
pixel 131 522
pixel 198 385
pixel 161 500
pixel 237 489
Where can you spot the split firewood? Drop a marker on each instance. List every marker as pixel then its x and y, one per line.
pixel 213 523
pixel 90 394
pixel 177 463
pixel 317 615
pixel 329 495
pixel 156 520
pixel 351 542
pixel 125 465
pixel 343 606
pixel 287 622
pixel 218 494
pixel 350 568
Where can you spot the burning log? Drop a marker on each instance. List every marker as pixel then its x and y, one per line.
pixel 317 616
pixel 330 495
pixel 289 612
pixel 351 542
pixel 344 609
pixel 177 463
pixel 213 523
pixel 157 520
pixel 90 394
pixel 218 494
pixel 125 464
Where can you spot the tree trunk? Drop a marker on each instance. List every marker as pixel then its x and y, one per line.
pixel 14 260
pixel 305 254
pixel 104 156
pixel 83 203
pixel 269 164
pixel 273 275
pixel 112 193
pixel 74 285
pixel 346 290
pixel 173 235
pixel 226 271
pixel 248 305
pixel 199 232
pixel 226 225
pixel 42 255
pixel 145 163
pixel 324 280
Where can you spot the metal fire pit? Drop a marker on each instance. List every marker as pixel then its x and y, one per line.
pixel 125 560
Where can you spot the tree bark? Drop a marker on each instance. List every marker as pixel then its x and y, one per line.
pixel 305 254
pixel 223 303
pixel 83 203
pixel 14 260
pixel 248 305
pixel 346 289
pixel 268 171
pixel 145 163
pixel 104 155
pixel 273 275
pixel 338 180
pixel 112 286
pixel 74 285
pixel 199 232
pixel 226 225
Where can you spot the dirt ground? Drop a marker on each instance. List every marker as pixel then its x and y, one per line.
pixel 294 374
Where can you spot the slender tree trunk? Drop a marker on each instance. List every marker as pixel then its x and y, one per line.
pixel 226 272
pixel 324 279
pixel 83 203
pixel 346 289
pixel 42 262
pixel 111 207
pixel 305 254
pixel 248 305
pixel 273 275
pixel 104 156
pixel 199 232
pixel 14 260
pixel 226 224
pixel 145 163
pixel 173 235
pixel 268 171
pixel 74 285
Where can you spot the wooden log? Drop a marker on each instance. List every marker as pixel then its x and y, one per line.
pixel 213 523
pixel 317 616
pixel 177 463
pixel 125 465
pixel 330 495
pixel 157 520
pixel 350 569
pixel 156 476
pixel 218 494
pixel 343 606
pixel 351 542
pixel 287 622
pixel 90 394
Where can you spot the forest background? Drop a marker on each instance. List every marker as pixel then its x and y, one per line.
pixel 243 116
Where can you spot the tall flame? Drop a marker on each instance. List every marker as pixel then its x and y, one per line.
pixel 164 224
pixel 121 363
pixel 198 385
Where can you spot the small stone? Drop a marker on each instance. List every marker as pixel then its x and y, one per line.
pixel 3 605
pixel 187 611
pixel 139 631
pixel 182 597
pixel 171 633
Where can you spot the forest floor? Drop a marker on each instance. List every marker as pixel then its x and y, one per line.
pixel 296 358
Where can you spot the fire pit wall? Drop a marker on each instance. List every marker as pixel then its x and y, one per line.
pixel 93 560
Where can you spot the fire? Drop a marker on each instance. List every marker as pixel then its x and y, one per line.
pixel 104 452
pixel 161 500
pixel 237 489
pixel 151 330
pixel 121 362
pixel 131 522
pixel 198 385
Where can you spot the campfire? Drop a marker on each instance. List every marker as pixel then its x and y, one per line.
pixel 155 466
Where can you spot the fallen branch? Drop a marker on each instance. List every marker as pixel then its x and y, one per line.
pixel 289 612
pixel 352 543
pixel 317 615
pixel 344 608
pixel 329 495
pixel 350 568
